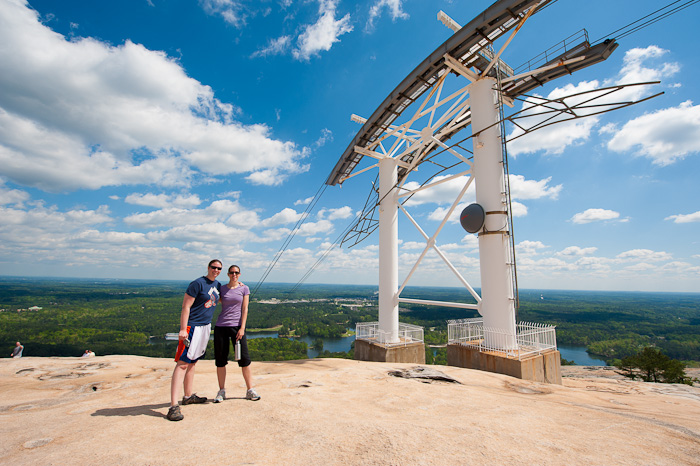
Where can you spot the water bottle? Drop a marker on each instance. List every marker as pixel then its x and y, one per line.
pixel 237 351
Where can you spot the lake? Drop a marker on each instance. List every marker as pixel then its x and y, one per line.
pixel 333 345
pixel 579 355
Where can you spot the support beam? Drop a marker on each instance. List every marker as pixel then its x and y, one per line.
pixel 388 250
pixel 498 304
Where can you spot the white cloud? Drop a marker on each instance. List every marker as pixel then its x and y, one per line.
pixel 664 136
pixel 340 213
pixel 679 268
pixel 644 254
pixel 594 215
pixel 277 46
pixel 394 7
pixel 306 201
pixel 471 241
pixel 448 191
pixel 641 267
pixel 218 211
pixel 230 10
pixel 284 217
pixel 634 71
pixel 326 136
pixel 555 138
pixel 12 196
pixel 315 228
pixel 116 115
pixel 46 232
pixel 163 200
pixel 213 233
pixel 529 248
pixel 443 193
pixel 685 218
pixel 574 251
pixel 518 209
pixel 411 245
pixel 520 188
pixel 321 35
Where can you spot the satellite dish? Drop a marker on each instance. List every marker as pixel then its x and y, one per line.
pixel 472 218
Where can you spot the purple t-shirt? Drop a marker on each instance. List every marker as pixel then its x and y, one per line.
pixel 231 302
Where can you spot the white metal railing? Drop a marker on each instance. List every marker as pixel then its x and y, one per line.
pixel 529 338
pixel 370 331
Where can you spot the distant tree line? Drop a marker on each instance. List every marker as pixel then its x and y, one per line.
pixel 120 317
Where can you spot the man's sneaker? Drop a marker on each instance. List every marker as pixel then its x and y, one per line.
pixel 221 396
pixel 252 395
pixel 194 399
pixel 174 414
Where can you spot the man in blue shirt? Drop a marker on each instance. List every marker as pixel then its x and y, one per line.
pixel 198 306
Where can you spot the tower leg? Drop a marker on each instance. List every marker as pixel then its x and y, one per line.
pixel 388 251
pixel 498 304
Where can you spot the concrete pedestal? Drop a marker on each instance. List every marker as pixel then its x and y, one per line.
pixel 369 351
pixel 545 367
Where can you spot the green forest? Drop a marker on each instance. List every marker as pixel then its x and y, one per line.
pixel 64 317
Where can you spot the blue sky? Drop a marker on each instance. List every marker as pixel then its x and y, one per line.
pixel 140 138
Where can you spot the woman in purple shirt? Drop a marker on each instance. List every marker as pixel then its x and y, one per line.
pixel 230 326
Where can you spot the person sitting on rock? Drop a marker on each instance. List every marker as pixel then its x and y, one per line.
pixel 17 351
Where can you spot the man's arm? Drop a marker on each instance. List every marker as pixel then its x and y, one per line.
pixel 187 303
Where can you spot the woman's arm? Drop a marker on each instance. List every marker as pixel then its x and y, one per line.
pixel 244 317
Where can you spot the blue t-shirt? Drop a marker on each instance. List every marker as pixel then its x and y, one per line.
pixel 206 295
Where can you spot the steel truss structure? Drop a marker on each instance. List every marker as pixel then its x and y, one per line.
pixel 445 107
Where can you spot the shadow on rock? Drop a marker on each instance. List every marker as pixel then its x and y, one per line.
pixel 143 410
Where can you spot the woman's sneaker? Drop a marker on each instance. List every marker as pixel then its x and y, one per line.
pixel 221 396
pixel 193 399
pixel 252 395
pixel 174 414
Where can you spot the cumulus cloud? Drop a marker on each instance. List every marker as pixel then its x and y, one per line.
pixel 12 196
pixel 335 214
pixel 284 217
pixel 594 215
pixel 664 136
pixel 447 192
pixel 306 201
pixel 315 228
pixel 116 115
pixel 218 211
pixel 520 188
pixel 645 255
pixel 685 218
pixel 634 69
pixel 321 35
pixel 574 251
pixel 529 248
pixel 163 200
pixel 555 138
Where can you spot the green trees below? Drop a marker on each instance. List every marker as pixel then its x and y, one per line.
pixel 651 365
pixel 276 349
